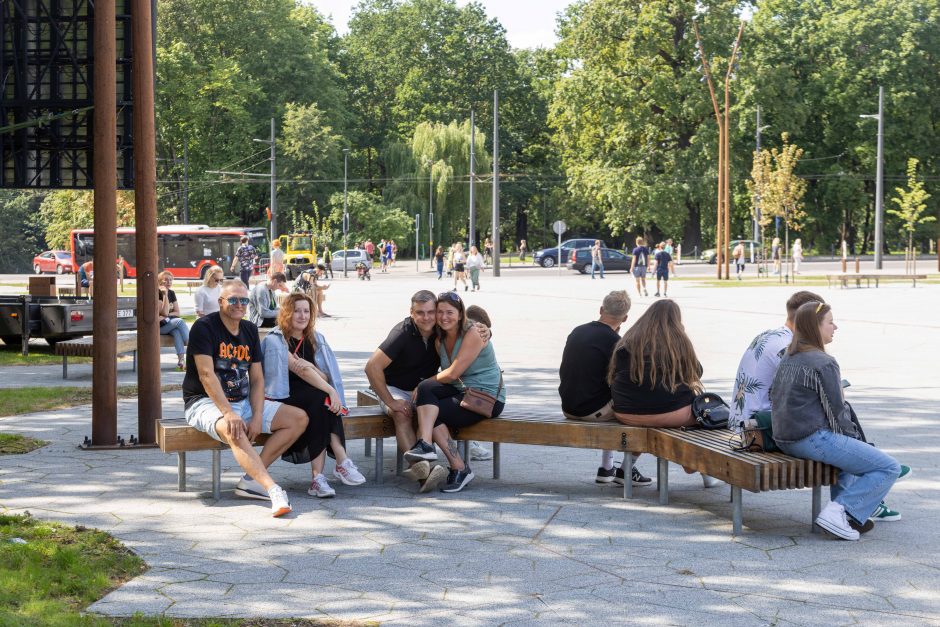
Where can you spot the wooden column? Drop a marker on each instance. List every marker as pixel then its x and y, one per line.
pixel 145 206
pixel 104 172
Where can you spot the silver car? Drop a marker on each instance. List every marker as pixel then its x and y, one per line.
pixel 350 258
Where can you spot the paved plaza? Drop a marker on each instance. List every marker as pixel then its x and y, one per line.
pixel 543 544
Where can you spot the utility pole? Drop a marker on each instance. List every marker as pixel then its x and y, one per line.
pixel 273 176
pixel 345 213
pixel 473 213
pixel 185 181
pixel 431 211
pixel 495 236
pixel 879 179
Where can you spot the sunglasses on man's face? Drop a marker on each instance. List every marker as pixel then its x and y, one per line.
pixel 235 300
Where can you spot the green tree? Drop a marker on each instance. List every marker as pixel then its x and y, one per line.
pixel 64 210
pixel 911 204
pixel 24 236
pixel 370 218
pixel 632 120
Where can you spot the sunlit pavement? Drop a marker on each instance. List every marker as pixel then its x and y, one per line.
pixel 543 544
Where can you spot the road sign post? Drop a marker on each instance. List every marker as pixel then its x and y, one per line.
pixel 559 227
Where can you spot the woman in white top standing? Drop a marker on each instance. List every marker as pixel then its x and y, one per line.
pixel 474 265
pixel 460 260
pixel 207 296
pixel 797 255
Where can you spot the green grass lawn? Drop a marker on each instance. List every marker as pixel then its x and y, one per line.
pixel 26 400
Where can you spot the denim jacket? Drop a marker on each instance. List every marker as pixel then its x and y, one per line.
pixel 274 349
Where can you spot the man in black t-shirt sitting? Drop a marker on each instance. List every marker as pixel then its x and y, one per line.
pixel 223 391
pixel 584 391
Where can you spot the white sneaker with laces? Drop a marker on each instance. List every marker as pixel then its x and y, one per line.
pixel 279 503
pixel 320 488
pixel 248 488
pixel 479 453
pixel 832 518
pixel 348 473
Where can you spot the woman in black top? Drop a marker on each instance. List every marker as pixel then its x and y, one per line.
pixel 654 373
pixel 439 261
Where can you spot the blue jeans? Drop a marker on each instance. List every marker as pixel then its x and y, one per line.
pixel 180 332
pixel 594 266
pixel 865 473
pixel 440 269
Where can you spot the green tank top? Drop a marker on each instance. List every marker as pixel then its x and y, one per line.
pixel 482 374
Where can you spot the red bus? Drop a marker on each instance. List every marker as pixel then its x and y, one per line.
pixel 186 250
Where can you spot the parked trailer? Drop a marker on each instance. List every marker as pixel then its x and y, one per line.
pixel 54 319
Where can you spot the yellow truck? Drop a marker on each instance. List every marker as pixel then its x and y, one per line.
pixel 300 253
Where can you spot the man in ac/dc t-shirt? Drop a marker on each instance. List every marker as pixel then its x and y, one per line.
pixel 223 391
pixel 584 391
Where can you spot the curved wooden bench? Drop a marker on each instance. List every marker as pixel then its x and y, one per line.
pixel 710 453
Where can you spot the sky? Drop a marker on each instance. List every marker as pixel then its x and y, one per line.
pixel 528 23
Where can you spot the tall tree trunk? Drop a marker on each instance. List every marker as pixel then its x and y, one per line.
pixel 692 232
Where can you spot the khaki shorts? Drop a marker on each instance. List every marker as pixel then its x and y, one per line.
pixel 398 394
pixel 604 414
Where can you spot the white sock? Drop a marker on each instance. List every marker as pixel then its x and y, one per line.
pixel 607 459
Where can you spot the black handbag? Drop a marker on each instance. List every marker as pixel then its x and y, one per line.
pixel 710 411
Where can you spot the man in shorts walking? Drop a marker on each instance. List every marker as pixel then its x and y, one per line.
pixel 223 391
pixel 584 391
pixel 662 268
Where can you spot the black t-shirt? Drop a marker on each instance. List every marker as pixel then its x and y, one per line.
pixel 644 398
pixel 231 354
pixel 663 259
pixel 170 298
pixel 583 370
pixel 414 358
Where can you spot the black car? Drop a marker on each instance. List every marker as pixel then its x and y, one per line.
pixel 548 257
pixel 614 260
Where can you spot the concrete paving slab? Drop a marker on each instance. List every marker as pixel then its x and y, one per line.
pixel 544 544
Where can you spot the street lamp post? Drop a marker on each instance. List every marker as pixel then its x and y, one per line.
pixel 758 231
pixel 879 178
pixel 345 212
pixel 431 211
pixel 545 210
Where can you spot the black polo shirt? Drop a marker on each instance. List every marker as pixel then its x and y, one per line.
pixel 414 358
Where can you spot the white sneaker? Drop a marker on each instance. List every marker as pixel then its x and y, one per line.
pixel 320 488
pixel 248 488
pixel 279 503
pixel 832 518
pixel 348 473
pixel 479 453
pixel 710 482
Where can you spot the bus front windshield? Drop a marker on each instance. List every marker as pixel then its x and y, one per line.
pixel 259 239
pixel 301 242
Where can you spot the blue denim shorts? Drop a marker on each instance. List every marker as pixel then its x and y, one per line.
pixel 204 415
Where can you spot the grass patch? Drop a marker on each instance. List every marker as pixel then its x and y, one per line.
pixel 14 444
pixel 40 354
pixel 27 400
pixel 57 571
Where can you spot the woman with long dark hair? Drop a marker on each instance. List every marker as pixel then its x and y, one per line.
pixel 300 369
pixel 812 420
pixel 467 361
pixel 655 374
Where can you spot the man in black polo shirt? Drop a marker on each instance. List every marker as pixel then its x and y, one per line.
pixel 407 357
pixel 584 391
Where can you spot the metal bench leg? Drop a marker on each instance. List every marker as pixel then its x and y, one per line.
pixel 627 467
pixel 368 447
pixel 65 366
pixel 216 474
pixel 379 460
pixel 181 471
pixel 736 515
pixel 134 362
pixel 817 507
pixel 496 460
pixel 466 451
pixel 662 480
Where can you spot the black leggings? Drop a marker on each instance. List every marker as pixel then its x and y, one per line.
pixel 447 399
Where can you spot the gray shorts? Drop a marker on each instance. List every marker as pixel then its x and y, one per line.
pixel 397 393
pixel 604 414
pixel 639 272
pixel 203 415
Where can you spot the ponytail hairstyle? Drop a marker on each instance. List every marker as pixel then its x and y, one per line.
pixel 806 321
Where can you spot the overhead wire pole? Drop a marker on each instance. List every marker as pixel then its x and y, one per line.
pixel 879 179
pixel 495 235
pixel 149 402
pixel 732 61
pixel 273 176
pixel 431 211
pixel 346 213
pixel 473 213
pixel 104 172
